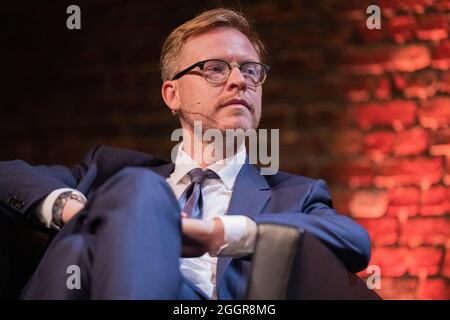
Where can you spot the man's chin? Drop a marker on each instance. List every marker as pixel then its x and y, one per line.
pixel 238 123
pixel 236 118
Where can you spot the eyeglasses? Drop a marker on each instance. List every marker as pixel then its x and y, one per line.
pixel 218 71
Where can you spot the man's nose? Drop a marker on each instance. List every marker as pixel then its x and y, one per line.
pixel 236 79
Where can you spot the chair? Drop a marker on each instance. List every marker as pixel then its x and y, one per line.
pixel 308 269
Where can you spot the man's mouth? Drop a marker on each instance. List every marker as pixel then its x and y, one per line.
pixel 237 102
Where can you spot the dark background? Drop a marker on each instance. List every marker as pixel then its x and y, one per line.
pixel 65 91
pixel 367 110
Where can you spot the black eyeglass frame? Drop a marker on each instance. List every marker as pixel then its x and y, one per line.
pixel 201 65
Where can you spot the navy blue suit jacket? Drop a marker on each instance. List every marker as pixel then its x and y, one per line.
pixel 282 198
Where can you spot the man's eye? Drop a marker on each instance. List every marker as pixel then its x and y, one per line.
pixel 250 71
pixel 216 68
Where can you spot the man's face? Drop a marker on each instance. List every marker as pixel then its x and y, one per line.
pixel 210 103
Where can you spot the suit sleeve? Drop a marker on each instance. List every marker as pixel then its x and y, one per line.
pixel 23 186
pixel 347 239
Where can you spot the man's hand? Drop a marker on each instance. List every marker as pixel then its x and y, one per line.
pixel 201 236
pixel 71 208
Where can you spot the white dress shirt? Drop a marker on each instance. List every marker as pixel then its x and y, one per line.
pixel 240 231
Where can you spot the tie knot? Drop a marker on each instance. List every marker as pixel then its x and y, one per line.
pixel 198 175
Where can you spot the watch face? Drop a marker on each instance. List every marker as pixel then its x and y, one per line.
pixel 58 207
pixel 60 203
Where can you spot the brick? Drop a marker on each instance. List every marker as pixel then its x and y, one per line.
pixel 446 266
pixel 365 60
pixel 354 174
pixel 393 262
pixel 383 231
pixel 441 56
pixel 434 289
pixel 379 142
pixel 447 179
pixel 407 142
pixel 425 261
pixel 435 201
pixel 442 150
pixel 433 27
pixel 401 172
pixel 410 142
pixel 383 89
pixel 403 202
pixel 444 82
pixel 425 231
pixel 435 113
pixel 440 136
pixel 346 143
pixel 396 113
pixel 401 28
pixel 398 288
pixel 357 89
pixel 441 5
pixel 362 88
pixel 421 84
pixel 368 204
pixel 341 198
pixel 409 58
pixel 391 7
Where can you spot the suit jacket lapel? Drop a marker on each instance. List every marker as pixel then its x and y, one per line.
pixel 250 194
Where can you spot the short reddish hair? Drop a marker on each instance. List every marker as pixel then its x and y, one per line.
pixel 202 23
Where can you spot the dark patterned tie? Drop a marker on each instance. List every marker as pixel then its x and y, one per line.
pixel 193 206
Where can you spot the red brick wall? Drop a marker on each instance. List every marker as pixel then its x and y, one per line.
pixel 396 85
pixel 367 110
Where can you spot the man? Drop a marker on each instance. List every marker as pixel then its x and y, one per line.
pixel 126 216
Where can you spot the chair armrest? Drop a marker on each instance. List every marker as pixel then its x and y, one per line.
pixel 292 264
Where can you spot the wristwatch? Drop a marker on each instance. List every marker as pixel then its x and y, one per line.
pixel 60 203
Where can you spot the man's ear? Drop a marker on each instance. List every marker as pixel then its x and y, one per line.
pixel 169 91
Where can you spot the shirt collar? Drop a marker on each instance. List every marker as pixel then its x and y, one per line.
pixel 227 169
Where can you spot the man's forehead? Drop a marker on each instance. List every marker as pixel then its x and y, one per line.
pixel 220 43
